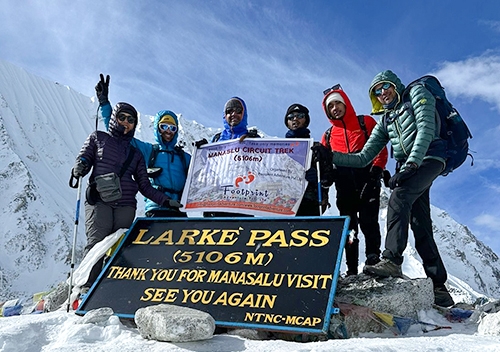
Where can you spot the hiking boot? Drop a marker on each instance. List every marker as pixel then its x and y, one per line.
pixel 372 259
pixel 442 297
pixel 384 268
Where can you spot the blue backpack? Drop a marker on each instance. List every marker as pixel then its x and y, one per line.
pixel 452 127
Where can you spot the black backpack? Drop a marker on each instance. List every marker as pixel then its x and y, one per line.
pixel 452 128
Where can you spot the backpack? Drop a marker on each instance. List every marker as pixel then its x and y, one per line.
pixel 452 128
pixel 361 119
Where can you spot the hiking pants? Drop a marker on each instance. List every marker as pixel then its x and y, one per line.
pixel 102 220
pixel 363 214
pixel 409 204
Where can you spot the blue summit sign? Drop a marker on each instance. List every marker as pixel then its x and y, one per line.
pixel 263 273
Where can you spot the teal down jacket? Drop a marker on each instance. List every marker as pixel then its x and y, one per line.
pixel 413 136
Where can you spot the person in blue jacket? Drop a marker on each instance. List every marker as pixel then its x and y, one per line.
pixel 234 120
pixel 167 163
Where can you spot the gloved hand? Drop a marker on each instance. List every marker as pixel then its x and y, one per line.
pixel 321 153
pixel 171 203
pixel 312 175
pixel 399 178
pixel 372 186
pixel 201 142
pixel 102 90
pixel 81 168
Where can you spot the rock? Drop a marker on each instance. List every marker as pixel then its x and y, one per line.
pixel 358 296
pixel 172 323
pixel 489 325
pixel 97 316
pixel 56 298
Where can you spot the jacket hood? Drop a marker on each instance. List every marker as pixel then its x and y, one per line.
pixel 382 77
pixel 157 134
pixel 115 129
pixel 238 130
pixel 350 114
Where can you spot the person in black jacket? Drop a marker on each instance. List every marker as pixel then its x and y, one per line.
pixel 297 120
pixel 118 173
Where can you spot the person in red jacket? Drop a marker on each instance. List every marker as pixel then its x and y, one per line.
pixel 358 190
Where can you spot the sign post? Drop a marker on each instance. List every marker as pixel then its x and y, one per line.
pixel 263 273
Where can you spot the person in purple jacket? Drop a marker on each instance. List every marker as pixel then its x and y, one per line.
pixel 118 173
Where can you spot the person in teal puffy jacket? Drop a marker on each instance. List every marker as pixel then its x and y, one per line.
pixel 169 171
pixel 410 126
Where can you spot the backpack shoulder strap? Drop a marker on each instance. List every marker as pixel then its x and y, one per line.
pixel 328 133
pixel 127 162
pixel 361 119
pixel 180 151
pixel 154 154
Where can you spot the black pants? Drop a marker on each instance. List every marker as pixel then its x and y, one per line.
pixel 363 215
pixel 409 204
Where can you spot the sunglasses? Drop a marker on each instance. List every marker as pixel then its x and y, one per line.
pixel 229 111
pixel 129 118
pixel 335 87
pixel 385 86
pixel 164 127
pixel 298 115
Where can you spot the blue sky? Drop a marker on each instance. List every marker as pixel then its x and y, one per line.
pixel 191 56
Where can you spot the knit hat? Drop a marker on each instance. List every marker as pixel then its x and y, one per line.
pixel 126 108
pixel 233 103
pixel 334 97
pixel 298 108
pixel 167 119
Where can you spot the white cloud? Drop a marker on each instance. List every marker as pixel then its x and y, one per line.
pixel 487 220
pixel 476 77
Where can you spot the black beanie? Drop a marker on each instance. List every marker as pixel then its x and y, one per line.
pixel 298 108
pixel 125 107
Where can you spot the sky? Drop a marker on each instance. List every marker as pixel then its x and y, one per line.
pixel 61 331
pixel 192 56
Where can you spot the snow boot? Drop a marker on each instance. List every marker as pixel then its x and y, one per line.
pixel 442 297
pixel 384 268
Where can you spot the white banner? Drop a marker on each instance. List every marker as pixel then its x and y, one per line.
pixel 259 176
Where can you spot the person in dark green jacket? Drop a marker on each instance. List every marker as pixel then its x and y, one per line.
pixel 411 129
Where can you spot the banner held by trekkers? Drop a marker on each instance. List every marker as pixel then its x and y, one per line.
pixel 268 273
pixel 257 176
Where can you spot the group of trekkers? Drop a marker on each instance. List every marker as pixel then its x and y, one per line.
pixel 352 154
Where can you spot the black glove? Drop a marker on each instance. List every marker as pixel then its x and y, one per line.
pixel 372 186
pixel 328 171
pixel 81 168
pixel 399 178
pixel 312 175
pixel 201 142
pixel 171 203
pixel 386 177
pixel 321 154
pixel 102 90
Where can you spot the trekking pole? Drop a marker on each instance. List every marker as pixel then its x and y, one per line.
pixel 320 200
pixel 77 215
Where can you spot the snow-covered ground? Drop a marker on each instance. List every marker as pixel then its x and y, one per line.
pixel 61 331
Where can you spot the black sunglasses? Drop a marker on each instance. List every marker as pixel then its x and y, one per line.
pixel 293 115
pixel 129 118
pixel 229 111
pixel 335 87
